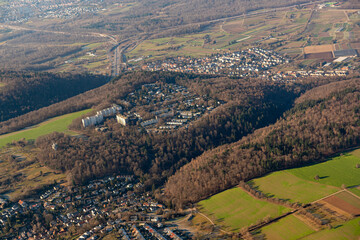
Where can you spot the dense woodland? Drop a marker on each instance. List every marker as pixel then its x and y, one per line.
pixel 251 104
pixel 324 121
pixel 23 92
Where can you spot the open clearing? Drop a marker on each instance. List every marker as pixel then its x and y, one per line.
pixel 57 124
pixel 346 231
pixel 285 185
pixel 287 228
pixel 234 209
pixel 335 172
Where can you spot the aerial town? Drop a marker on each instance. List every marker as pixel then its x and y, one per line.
pixel 241 63
pixel 23 10
pixel 156 107
pixel 109 205
pixel 253 62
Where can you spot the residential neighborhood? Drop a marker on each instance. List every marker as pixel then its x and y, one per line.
pixel 253 62
pixel 155 107
pixel 23 10
pixel 161 106
pixel 250 62
pixel 112 205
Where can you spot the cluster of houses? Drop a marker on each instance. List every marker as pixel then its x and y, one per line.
pixel 171 105
pixel 20 10
pixel 78 207
pixel 293 75
pixel 248 62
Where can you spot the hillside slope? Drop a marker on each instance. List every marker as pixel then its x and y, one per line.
pixel 154 156
pixel 308 133
pixel 23 92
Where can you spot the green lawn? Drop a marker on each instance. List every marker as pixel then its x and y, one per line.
pixel 57 124
pixel 287 228
pixel 234 209
pixel 285 185
pixel 346 231
pixel 336 171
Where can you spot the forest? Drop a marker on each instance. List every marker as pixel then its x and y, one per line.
pixel 25 91
pixel 250 104
pixel 324 121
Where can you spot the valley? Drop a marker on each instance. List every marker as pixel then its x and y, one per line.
pixel 179 119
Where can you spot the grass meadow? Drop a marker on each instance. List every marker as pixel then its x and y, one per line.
pixel 234 209
pixel 57 124
pixel 285 185
pixel 288 228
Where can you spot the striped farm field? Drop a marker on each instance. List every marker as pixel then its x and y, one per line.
pixel 344 201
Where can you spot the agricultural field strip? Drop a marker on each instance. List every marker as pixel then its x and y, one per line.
pixel 343 190
pixel 352 194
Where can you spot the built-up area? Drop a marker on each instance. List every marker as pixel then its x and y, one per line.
pixel 112 205
pixel 23 10
pixel 253 62
pixel 156 107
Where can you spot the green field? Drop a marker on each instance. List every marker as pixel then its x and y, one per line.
pixel 285 185
pixel 355 191
pixel 234 209
pixel 346 231
pixel 335 172
pixel 287 228
pixel 294 184
pixel 57 124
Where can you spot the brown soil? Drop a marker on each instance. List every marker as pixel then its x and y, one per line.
pixel 342 205
pixel 323 55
